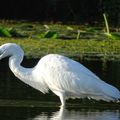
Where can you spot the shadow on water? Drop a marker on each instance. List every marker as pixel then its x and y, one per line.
pixel 19 101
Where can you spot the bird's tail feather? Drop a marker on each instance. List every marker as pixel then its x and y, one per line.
pixel 110 93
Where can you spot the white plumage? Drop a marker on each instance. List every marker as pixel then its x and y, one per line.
pixel 63 76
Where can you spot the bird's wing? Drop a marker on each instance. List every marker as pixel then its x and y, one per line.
pixel 62 74
pixel 71 76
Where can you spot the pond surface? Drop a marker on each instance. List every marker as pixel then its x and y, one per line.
pixel 19 101
pixel 24 113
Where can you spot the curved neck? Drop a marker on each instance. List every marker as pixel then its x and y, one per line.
pixel 27 75
pixel 19 71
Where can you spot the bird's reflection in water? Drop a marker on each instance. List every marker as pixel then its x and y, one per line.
pixel 65 114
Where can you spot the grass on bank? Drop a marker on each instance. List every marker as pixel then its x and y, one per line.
pixel 78 41
pixel 81 49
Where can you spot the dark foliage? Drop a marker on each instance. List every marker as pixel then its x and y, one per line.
pixel 73 11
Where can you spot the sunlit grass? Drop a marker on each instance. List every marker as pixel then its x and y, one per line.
pixel 71 48
pixel 79 41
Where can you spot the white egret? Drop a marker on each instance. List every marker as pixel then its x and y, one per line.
pixel 63 76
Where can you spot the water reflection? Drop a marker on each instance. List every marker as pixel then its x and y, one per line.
pixel 54 113
pixel 64 114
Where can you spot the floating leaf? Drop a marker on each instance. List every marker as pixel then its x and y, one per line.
pixel 49 34
pixel 4 32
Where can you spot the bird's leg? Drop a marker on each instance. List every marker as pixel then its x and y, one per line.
pixel 61 95
pixel 62 99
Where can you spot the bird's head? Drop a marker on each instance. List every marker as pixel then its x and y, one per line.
pixel 8 49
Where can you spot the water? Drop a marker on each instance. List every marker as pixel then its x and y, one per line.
pixel 18 101
pixel 57 114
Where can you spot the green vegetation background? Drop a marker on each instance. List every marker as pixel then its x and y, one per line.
pixel 78 41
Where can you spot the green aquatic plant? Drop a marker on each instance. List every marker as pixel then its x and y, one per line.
pixel 4 32
pixel 48 34
pixel 107 33
pixel 78 34
pixel 107 25
pixel 17 33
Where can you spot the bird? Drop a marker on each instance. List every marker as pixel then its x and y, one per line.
pixel 57 73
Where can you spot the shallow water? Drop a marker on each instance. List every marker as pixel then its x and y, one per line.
pixel 27 113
